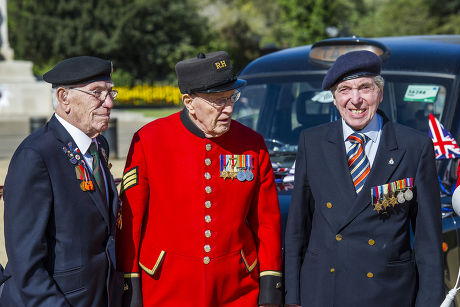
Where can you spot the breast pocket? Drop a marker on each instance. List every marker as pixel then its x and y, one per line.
pixel 70 281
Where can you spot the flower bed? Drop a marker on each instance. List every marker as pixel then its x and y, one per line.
pixel 148 96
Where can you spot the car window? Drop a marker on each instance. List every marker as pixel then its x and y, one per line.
pixel 281 107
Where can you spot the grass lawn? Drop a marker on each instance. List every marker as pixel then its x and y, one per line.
pixel 157 113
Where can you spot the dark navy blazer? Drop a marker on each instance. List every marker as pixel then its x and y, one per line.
pixel 59 239
pixel 341 252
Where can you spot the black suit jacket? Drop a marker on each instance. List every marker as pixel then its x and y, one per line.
pixel 59 239
pixel 341 252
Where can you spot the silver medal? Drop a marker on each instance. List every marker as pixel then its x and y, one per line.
pixel 241 175
pixel 249 175
pixel 408 194
pixel 400 197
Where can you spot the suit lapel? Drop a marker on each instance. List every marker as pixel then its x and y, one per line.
pixel 334 151
pixel 111 187
pixel 385 163
pixel 64 137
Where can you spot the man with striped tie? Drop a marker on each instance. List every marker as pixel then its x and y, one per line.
pixel 362 184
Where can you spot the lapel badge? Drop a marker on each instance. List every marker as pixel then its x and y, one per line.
pixel 391 161
pixel 104 154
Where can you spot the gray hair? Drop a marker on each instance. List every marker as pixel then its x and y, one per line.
pixel 54 98
pixel 378 80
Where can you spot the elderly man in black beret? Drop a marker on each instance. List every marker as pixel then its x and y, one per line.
pixel 362 185
pixel 60 198
pixel 201 221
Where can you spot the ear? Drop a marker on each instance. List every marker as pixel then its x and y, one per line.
pixel 62 96
pixel 188 103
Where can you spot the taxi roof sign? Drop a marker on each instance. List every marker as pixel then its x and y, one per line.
pixel 325 52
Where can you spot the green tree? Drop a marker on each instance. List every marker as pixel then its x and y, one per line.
pixel 306 21
pixel 142 37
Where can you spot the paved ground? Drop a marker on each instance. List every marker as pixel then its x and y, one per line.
pixel 117 170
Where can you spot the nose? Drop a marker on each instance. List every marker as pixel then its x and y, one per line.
pixel 355 96
pixel 108 102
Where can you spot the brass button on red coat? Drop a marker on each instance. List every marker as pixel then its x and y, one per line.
pixel 207 233
pixel 207 204
pixel 207 219
pixel 208 147
pixel 206 260
pixel 208 189
pixel 207 248
pixel 207 161
pixel 207 175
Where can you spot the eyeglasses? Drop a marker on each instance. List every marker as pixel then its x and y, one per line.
pixel 365 88
pixel 101 95
pixel 220 103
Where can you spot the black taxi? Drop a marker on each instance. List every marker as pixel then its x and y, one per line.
pixel 422 77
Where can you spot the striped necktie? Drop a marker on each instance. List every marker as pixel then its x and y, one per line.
pixel 97 172
pixel 357 160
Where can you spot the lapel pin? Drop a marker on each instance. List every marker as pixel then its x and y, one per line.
pixel 391 162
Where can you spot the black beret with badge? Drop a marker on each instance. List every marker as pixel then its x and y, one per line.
pixel 81 69
pixel 207 73
pixel 352 65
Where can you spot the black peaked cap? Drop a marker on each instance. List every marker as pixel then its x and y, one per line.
pixel 207 73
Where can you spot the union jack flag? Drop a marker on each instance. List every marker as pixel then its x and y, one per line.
pixel 445 146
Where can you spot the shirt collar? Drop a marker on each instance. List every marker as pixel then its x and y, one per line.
pixel 371 130
pixel 81 139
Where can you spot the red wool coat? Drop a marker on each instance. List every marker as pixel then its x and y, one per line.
pixel 194 237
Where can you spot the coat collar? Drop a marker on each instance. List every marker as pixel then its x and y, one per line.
pixel 388 157
pixel 63 136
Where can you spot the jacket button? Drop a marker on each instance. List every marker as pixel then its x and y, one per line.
pixel 371 242
pixel 207 233
pixel 206 260
pixel 370 275
pixel 207 204
pixel 278 285
pixel 207 161
pixel 338 237
pixel 207 248
pixel 207 218
pixel 207 175
pixel 208 147
pixel 208 189
pixel 329 205
pixel 332 270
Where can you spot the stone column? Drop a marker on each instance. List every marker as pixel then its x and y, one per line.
pixel 5 49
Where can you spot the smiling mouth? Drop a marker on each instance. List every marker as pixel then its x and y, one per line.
pixel 357 111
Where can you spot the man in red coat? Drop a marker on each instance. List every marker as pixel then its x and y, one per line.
pixel 200 222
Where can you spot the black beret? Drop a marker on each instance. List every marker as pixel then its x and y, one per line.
pixel 207 73
pixel 352 65
pixel 81 69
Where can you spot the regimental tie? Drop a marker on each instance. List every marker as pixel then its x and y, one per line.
pixel 97 172
pixel 357 160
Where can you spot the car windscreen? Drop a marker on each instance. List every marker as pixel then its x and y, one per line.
pixel 280 107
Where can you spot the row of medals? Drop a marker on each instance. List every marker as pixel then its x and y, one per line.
pixel 241 175
pixel 394 199
pixel 75 159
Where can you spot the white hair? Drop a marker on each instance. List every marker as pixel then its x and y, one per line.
pixel 54 98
